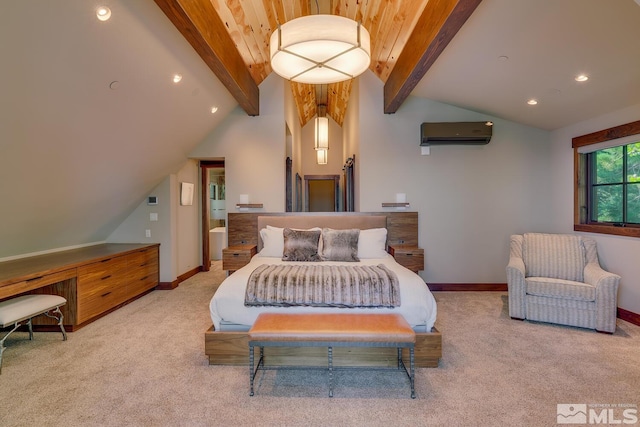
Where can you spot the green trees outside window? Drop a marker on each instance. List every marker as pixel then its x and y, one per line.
pixel 614 182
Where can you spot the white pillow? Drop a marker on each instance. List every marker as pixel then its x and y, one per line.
pixel 372 243
pixel 272 242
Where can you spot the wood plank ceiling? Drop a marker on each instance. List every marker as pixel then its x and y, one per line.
pixel 232 37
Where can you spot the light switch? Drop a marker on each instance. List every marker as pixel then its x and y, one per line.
pixel 147 233
pixel 153 216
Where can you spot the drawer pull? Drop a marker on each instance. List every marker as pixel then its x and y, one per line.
pixel 144 278
pixel 35 278
pixel 142 265
pixel 409 254
pixel 236 254
pixel 105 277
pixel 104 295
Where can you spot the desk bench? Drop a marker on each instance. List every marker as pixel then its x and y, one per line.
pixel 17 310
pixel 331 330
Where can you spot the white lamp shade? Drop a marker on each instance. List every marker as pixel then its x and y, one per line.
pixel 322 157
pixel 322 133
pixel 319 49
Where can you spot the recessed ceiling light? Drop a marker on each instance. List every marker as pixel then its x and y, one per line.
pixel 213 110
pixel 103 13
pixel 503 58
pixel 581 78
pixel 177 78
pixel 532 102
pixel 114 85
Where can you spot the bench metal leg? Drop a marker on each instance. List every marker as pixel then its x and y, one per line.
pixel 330 371
pixel 58 318
pixel 252 372
pixel 411 371
pixel 2 347
pixel 412 376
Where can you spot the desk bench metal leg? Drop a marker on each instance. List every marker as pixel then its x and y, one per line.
pixel 58 318
pixel 2 347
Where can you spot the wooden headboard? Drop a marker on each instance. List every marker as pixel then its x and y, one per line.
pixel 402 227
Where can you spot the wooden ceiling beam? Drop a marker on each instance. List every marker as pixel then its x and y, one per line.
pixel 201 25
pixel 436 27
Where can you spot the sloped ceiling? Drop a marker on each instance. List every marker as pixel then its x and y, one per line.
pixel 407 36
pixel 76 156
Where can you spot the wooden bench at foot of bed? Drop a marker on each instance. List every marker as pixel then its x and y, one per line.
pixel 232 348
pixel 331 331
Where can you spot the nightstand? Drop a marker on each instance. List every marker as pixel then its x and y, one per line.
pixel 411 257
pixel 236 257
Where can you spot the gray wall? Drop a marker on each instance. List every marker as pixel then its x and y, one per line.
pixel 469 198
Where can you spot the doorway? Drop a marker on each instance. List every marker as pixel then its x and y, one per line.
pixel 214 212
pixel 322 193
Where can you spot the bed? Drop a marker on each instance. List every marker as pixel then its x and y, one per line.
pixel 226 341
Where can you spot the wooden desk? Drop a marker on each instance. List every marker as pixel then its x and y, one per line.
pixel 95 280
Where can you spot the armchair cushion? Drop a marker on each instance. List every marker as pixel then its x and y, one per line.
pixel 560 256
pixel 558 288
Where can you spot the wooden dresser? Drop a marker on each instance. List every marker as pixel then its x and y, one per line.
pixel 95 280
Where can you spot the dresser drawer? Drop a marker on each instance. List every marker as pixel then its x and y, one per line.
pixel 36 282
pixel 143 271
pixel 112 270
pixel 101 286
pixel 103 299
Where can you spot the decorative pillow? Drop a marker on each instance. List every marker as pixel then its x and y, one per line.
pixel 272 243
pixel 340 245
pixel 301 245
pixel 372 243
pixel 273 240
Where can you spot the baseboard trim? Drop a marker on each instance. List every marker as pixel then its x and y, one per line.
pixel 626 315
pixel 466 287
pixel 167 286
pixel 629 316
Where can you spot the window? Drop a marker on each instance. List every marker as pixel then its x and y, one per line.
pixel 607 181
pixel 614 185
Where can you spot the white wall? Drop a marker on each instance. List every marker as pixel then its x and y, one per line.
pixel 470 199
pixel 253 149
pixel 188 232
pixel 617 253
pixel 177 229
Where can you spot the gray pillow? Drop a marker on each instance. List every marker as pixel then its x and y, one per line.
pixel 301 245
pixel 340 245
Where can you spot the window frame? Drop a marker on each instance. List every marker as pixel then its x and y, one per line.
pixel 581 220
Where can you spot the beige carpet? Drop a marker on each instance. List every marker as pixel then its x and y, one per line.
pixel 144 365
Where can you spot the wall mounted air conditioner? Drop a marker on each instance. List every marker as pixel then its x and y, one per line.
pixel 448 133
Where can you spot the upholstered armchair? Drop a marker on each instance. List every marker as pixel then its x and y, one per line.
pixel 557 278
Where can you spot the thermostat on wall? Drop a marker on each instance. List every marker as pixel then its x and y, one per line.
pixel 152 200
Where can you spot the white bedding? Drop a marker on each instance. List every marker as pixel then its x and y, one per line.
pixel 417 304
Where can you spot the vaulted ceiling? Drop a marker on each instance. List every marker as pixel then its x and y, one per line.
pixel 232 37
